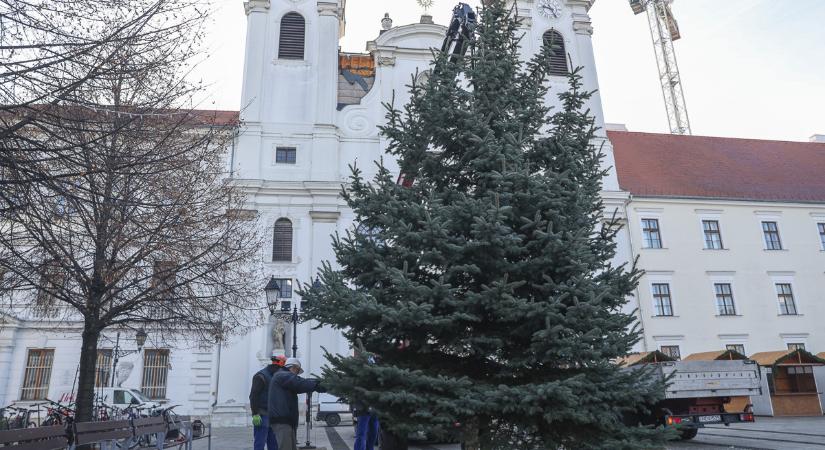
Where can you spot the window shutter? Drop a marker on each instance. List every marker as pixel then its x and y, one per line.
pixel 291 45
pixel 558 61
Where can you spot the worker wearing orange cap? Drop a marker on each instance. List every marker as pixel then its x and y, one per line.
pixel 262 434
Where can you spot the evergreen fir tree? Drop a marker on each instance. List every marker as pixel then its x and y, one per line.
pixel 485 290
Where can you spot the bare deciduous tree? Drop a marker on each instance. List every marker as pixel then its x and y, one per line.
pixel 141 228
pixel 50 49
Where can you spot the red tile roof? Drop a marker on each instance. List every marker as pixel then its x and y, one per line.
pixel 665 165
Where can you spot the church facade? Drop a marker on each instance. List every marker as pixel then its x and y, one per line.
pixel 310 111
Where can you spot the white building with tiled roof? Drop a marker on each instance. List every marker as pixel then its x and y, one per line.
pixel 731 236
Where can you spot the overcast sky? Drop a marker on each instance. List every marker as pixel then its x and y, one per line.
pixel 750 68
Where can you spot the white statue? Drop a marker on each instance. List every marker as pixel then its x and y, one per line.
pixel 279 335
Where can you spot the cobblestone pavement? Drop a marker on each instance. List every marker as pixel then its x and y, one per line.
pixel 791 433
pixel 339 438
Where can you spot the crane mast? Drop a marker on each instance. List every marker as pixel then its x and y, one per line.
pixel 664 30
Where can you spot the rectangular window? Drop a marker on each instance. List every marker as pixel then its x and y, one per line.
pixel 787 305
pixel 103 377
pixel 738 348
pixel 155 373
pixel 771 232
pixel 285 287
pixel 796 346
pixel 724 299
pixel 38 374
pixel 164 279
pixel 285 155
pixel 52 282
pixel 821 227
pixel 661 299
pixel 713 237
pixel 651 233
pixel 672 351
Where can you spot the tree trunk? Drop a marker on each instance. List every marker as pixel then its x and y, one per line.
pixel 470 435
pixel 86 375
pixel 392 441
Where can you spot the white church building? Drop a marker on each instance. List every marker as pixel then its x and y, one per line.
pixel 308 112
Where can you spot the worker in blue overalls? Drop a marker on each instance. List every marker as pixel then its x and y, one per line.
pixel 262 433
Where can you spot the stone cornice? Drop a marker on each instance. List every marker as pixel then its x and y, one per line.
pixel 582 24
pixel 587 4
pixel 256 6
pixel 325 216
pixel 329 9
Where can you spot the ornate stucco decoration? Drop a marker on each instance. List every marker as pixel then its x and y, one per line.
pixel 386 60
pixel 256 5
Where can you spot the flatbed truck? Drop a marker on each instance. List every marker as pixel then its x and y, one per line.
pixel 698 392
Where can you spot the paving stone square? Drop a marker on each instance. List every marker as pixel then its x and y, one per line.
pixel 767 433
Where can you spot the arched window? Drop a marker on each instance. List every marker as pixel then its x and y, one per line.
pixel 282 241
pixel 293 28
pixel 558 61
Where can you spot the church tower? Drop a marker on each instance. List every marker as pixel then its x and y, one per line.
pixel 566 24
pixel 290 87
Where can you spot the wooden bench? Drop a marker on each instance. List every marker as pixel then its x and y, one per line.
pixel 43 438
pixel 102 432
pixel 150 425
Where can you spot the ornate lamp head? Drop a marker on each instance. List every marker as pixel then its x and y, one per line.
pixel 273 291
pixel 140 338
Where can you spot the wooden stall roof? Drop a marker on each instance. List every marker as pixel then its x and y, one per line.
pixel 643 358
pixel 727 355
pixel 789 358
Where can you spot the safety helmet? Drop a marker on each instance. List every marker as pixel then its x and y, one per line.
pixel 278 360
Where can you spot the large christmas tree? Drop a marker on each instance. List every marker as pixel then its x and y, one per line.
pixel 485 289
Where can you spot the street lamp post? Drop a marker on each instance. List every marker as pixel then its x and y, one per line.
pixel 281 310
pixel 117 353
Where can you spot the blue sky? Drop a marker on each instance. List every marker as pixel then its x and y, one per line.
pixel 750 68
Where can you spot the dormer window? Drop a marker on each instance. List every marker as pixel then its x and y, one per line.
pixel 293 35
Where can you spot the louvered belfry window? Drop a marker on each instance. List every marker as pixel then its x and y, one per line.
pixel 558 61
pixel 282 241
pixel 293 29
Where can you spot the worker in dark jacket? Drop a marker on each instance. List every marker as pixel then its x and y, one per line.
pixel 283 402
pixel 262 434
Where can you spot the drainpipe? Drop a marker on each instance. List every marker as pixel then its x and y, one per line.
pixel 633 258
pixel 232 163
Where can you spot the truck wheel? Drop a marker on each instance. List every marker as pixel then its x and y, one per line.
pixel 687 434
pixel 333 420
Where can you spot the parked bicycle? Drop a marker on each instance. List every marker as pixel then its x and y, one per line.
pixel 13 418
pixel 58 414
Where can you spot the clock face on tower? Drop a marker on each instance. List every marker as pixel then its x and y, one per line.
pixel 550 8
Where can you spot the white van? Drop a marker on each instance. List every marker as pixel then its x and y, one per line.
pixel 331 410
pixel 122 397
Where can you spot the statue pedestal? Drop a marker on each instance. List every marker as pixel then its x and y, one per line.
pixel 231 415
